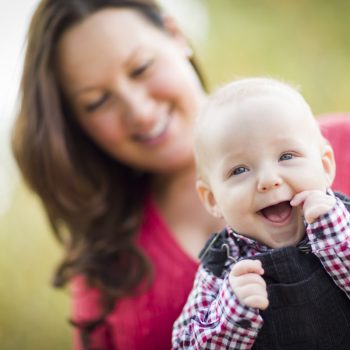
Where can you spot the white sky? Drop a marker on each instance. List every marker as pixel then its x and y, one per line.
pixel 14 20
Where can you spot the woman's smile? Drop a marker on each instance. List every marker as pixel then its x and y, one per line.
pixel 157 133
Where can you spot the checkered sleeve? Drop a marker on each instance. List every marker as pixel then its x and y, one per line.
pixel 213 318
pixel 330 241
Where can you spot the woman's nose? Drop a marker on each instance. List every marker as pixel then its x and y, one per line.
pixel 138 109
pixel 268 180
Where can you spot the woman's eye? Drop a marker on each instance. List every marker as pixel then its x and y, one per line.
pixel 239 170
pixel 286 156
pixel 141 69
pixel 91 107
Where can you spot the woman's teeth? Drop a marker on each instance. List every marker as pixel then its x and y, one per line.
pixel 157 130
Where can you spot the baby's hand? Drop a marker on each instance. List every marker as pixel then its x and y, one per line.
pixel 248 285
pixel 314 204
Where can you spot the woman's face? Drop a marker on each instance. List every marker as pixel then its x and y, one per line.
pixel 132 88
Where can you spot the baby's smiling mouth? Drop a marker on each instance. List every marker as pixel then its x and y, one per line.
pixel 278 213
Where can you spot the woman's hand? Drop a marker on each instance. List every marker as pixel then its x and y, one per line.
pixel 314 204
pixel 248 285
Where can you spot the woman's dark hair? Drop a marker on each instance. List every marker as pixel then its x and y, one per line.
pixel 94 203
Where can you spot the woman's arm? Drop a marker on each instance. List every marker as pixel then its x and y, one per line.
pixel 86 308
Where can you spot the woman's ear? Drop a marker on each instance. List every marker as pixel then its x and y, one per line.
pixel 207 198
pixel 176 33
pixel 328 162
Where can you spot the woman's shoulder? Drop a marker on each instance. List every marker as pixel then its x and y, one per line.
pixel 334 123
pixel 336 129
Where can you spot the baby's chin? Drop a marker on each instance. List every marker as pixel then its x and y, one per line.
pixel 284 240
pixel 281 244
pixel 286 235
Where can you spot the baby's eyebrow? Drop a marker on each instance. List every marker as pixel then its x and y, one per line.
pixel 288 139
pixel 235 155
pixel 228 163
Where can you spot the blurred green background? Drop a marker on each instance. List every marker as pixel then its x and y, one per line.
pixel 306 42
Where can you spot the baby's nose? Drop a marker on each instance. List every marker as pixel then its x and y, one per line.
pixel 268 182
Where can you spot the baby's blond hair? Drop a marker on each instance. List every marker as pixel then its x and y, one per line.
pixel 235 93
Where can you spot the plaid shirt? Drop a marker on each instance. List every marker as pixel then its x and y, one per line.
pixel 213 317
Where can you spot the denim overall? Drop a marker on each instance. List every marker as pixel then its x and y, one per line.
pixel 307 311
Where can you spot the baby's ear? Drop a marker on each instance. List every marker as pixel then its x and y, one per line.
pixel 328 162
pixel 207 198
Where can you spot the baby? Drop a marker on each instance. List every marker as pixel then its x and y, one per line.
pixel 278 276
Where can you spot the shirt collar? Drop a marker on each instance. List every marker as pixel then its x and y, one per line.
pixel 258 246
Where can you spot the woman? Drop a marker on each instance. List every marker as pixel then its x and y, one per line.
pixel 109 93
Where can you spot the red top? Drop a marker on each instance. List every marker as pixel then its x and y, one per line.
pixel 336 128
pixel 143 322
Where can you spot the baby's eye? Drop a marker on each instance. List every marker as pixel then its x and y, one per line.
pixel 239 170
pixel 286 156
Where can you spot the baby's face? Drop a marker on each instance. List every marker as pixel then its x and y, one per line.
pixel 259 155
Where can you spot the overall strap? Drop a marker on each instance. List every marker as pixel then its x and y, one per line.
pixel 216 252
